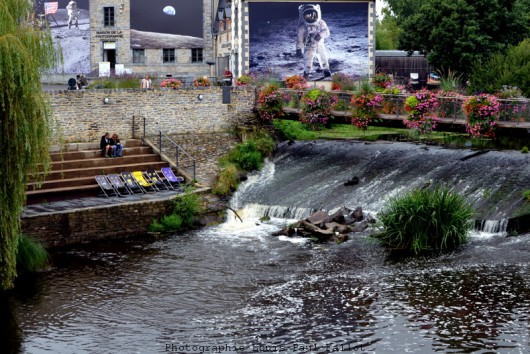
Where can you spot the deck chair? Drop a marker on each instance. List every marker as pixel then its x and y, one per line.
pixel 106 187
pixel 131 183
pixel 173 181
pixel 143 182
pixel 119 184
pixel 158 181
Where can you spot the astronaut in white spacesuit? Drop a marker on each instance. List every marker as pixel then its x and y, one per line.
pixel 73 12
pixel 312 31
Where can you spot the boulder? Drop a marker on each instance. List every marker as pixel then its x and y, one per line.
pixel 352 181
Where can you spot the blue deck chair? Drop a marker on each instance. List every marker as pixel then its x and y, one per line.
pixel 119 184
pixel 106 187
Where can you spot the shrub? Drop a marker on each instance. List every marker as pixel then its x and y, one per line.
pixel 481 112
pixel 270 103
pixel 246 156
pixel 31 255
pixel 420 107
pixel 171 83
pixel 524 149
pixel 296 82
pixel 316 108
pixel 425 221
pixel 185 207
pixel 526 194
pixel 227 180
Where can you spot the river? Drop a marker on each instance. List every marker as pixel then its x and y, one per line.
pixel 234 288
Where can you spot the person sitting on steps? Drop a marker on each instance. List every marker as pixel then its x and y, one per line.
pixel 107 149
pixel 118 148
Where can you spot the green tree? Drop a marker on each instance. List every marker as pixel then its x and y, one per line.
pixel 24 120
pixel 387 31
pixel 455 34
pixel 510 69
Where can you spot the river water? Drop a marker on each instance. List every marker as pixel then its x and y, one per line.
pixel 233 288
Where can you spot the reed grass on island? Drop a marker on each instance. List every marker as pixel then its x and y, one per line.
pixel 31 255
pixel 426 221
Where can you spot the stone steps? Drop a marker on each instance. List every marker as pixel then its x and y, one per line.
pixel 74 167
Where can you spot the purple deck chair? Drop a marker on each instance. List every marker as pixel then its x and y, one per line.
pixel 173 181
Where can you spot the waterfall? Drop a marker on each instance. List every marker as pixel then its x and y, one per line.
pixel 307 176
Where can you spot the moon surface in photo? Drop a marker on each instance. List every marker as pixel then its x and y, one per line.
pixel 169 10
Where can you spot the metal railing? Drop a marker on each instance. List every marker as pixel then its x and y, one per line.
pixel 181 156
pixel 184 162
pixel 516 110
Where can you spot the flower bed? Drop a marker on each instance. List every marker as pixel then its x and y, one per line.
pixel 171 83
pixel 316 108
pixel 364 106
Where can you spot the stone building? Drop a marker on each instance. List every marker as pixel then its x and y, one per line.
pixel 123 38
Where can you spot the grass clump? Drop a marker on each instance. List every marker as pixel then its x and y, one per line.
pixel 424 221
pixel 227 180
pixel 31 255
pixel 185 207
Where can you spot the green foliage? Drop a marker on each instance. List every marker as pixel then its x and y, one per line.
pixel 457 34
pixel 504 70
pixel 246 156
pixel 227 180
pixel 186 207
pixel 524 149
pixel 25 129
pixel 387 32
pixel 31 255
pixel 290 130
pixel 526 194
pixel 426 221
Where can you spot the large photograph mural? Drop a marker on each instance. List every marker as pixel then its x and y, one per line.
pixel 70 27
pixel 167 24
pixel 315 39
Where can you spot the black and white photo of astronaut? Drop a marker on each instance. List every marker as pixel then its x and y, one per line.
pixel 314 39
pixel 310 44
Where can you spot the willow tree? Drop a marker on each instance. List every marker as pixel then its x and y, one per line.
pixel 25 52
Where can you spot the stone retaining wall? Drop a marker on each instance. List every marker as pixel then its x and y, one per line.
pixel 109 222
pixel 84 115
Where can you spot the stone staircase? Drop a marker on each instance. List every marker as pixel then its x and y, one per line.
pixel 74 167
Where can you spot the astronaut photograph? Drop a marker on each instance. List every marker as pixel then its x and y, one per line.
pixel 313 39
pixel 69 23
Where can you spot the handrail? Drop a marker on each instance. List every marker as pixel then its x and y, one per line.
pixel 177 148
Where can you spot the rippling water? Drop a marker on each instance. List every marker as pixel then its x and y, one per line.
pixel 233 288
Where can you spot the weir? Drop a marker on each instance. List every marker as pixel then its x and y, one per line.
pixel 324 175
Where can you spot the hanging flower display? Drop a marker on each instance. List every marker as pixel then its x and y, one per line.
pixel 481 112
pixel 364 106
pixel 316 108
pixel 420 107
pixel 270 103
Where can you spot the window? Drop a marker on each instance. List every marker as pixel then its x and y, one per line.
pixel 108 16
pixel 139 56
pixel 196 55
pixel 168 55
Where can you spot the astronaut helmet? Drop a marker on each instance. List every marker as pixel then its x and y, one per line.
pixel 72 3
pixel 309 13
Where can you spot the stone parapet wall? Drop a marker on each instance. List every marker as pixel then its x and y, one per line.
pixel 83 116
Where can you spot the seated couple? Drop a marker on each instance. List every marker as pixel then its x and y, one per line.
pixel 110 147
